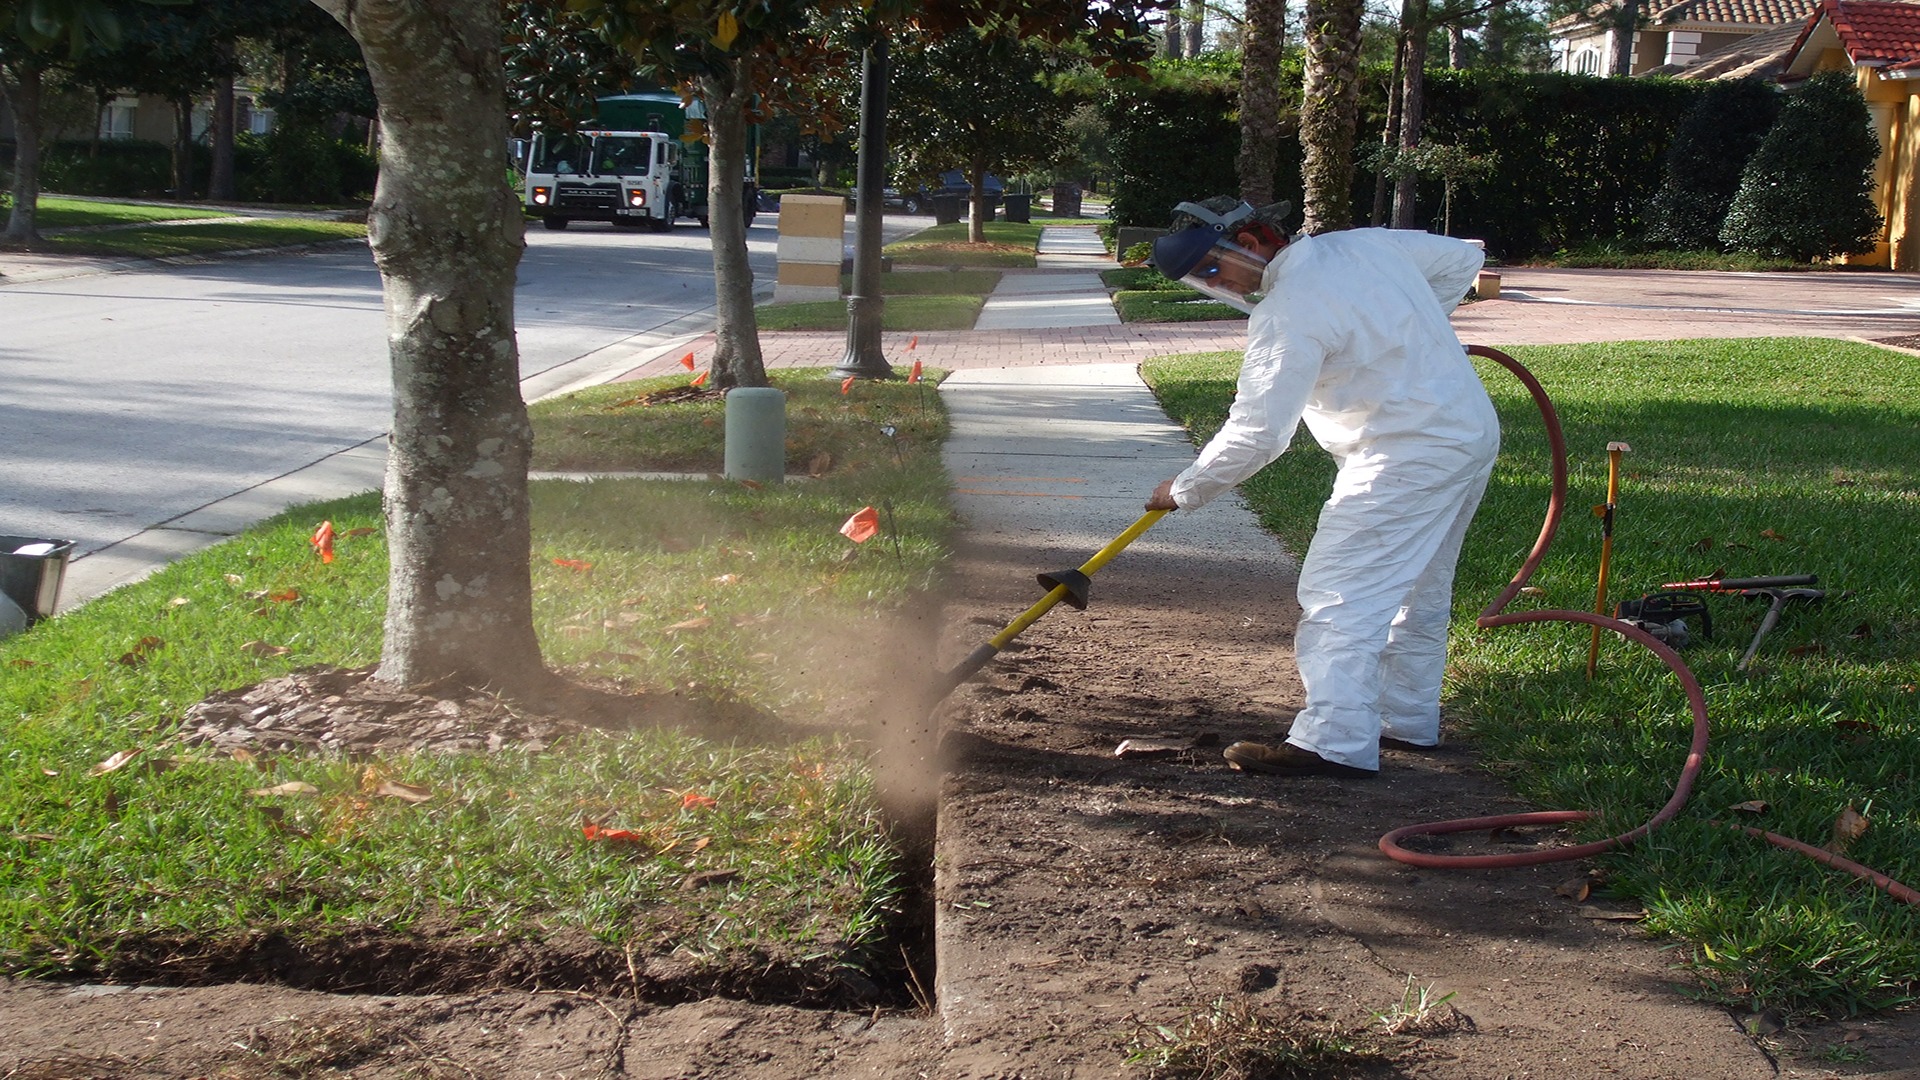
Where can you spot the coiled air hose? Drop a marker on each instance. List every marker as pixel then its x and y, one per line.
pixel 1495 614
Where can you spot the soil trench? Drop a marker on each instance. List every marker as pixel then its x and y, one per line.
pixel 1080 897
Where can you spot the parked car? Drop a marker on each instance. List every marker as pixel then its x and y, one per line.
pixel 952 182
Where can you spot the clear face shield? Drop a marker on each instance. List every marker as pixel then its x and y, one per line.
pixel 1229 273
pixel 1213 264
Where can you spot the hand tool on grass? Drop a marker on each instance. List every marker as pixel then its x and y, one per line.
pixel 1739 584
pixel 1605 511
pixel 1781 598
pixel 1068 585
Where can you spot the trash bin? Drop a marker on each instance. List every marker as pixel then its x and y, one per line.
pixel 946 209
pixel 1019 207
pixel 1066 200
pixel 31 570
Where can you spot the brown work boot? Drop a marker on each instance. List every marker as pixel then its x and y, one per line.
pixel 1287 760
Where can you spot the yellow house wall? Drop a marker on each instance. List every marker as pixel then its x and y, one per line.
pixel 1892 105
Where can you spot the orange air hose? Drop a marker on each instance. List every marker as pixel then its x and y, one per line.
pixel 1495 614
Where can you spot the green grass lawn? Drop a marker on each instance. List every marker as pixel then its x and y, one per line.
pixel 1754 457
pixel 201 238
pixel 1145 295
pixel 947 299
pixel 54 212
pixel 697 588
pixel 1007 244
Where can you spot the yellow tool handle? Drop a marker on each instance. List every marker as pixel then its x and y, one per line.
pixel 1059 592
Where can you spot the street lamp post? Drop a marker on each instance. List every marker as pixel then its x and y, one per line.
pixel 864 358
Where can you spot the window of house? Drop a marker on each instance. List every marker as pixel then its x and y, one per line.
pixel 116 119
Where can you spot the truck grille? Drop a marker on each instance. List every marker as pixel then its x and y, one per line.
pixel 587 196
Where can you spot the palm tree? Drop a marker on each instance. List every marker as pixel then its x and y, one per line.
pixel 1328 111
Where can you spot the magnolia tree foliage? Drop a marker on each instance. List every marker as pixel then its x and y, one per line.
pixel 1807 192
pixel 978 100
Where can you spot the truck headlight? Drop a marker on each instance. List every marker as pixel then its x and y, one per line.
pixel 636 197
pixel 541 196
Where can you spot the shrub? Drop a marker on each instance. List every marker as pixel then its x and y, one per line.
pixel 1710 151
pixel 298 164
pixel 117 167
pixel 1807 193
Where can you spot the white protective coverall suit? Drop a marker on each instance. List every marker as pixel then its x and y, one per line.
pixel 1353 336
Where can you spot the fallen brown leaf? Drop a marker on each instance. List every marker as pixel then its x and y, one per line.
pixel 291 787
pixel 179 601
pixel 261 648
pixel 1705 543
pixel 142 651
pixel 1814 649
pixel 1751 806
pixel 235 579
pixel 821 463
pixel 1575 889
pixel 1848 826
pixel 394 789
pixel 284 596
pixel 1863 632
pixel 115 763
pixel 1610 915
pixel 23 663
pixel 1769 534
pixel 725 579
pixel 700 623
pixel 364 530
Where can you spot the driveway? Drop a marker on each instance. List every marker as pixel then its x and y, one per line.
pixel 1541 306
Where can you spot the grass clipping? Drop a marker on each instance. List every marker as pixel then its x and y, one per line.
pixel 1233 1038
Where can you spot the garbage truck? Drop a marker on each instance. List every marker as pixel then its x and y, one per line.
pixel 639 162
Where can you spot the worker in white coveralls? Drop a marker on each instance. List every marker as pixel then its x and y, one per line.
pixel 1349 331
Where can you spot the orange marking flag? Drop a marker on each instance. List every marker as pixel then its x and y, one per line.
pixel 699 380
pixel 322 541
pixel 846 384
pixel 687 361
pixel 862 526
pixel 914 375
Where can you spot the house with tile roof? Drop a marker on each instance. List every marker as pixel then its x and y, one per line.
pixel 1879 42
pixel 1673 36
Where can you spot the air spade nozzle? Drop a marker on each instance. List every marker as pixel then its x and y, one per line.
pixel 1068 585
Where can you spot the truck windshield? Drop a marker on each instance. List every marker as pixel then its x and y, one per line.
pixel 560 154
pixel 620 155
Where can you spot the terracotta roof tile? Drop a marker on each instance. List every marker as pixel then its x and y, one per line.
pixel 1886 30
pixel 1736 12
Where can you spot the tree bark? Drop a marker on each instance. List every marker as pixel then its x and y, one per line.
pixel 20 85
pixel 977 202
pixel 1328 112
pixel 1176 38
pixel 183 148
pixel 1623 33
pixel 736 355
pixel 447 235
pixel 1260 100
pixel 1413 99
pixel 1493 39
pixel 1196 27
pixel 220 139
pixel 1389 138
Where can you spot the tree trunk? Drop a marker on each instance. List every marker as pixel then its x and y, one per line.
pixel 1260 100
pixel 736 354
pixel 1623 33
pixel 20 85
pixel 1328 112
pixel 1493 40
pixel 1389 138
pixel 1413 100
pixel 183 148
pixel 1456 46
pixel 447 235
pixel 977 203
pixel 1196 27
pixel 1176 38
pixel 220 138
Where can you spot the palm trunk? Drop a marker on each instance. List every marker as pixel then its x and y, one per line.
pixel 220 138
pixel 1260 100
pixel 1328 112
pixel 736 355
